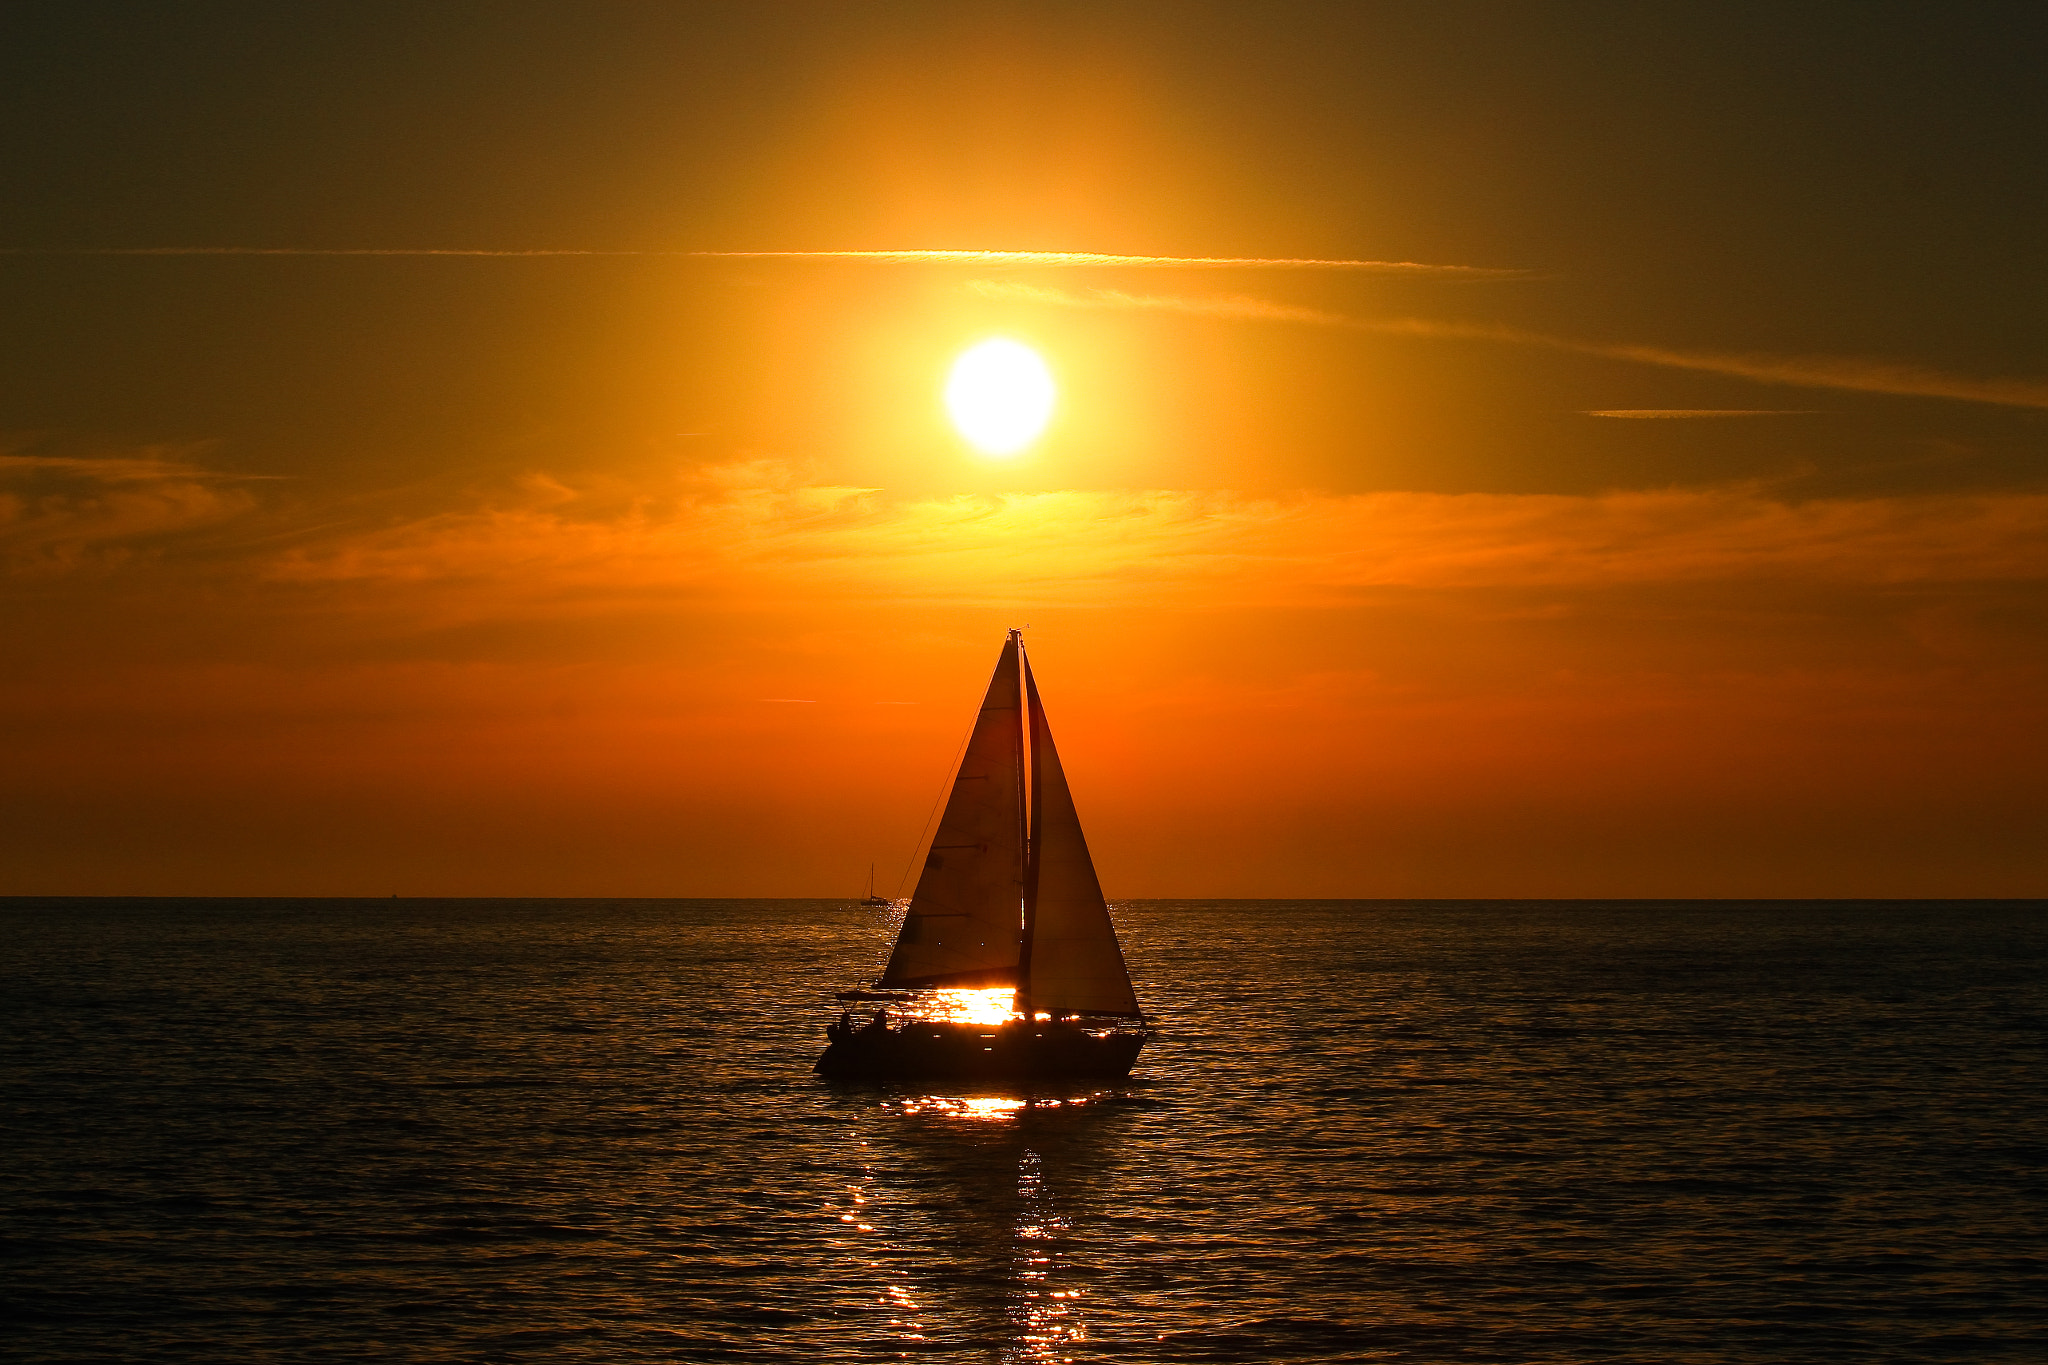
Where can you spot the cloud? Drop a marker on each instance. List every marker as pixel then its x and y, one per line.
pixel 1655 414
pixel 105 469
pixel 313 251
pixel 757 533
pixel 532 554
pixel 64 513
pixel 1853 373
pixel 1229 307
pixel 1080 259
pixel 1098 260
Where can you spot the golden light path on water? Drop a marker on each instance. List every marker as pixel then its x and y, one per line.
pixel 1044 1305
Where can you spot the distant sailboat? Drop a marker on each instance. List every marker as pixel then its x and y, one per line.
pixel 872 898
pixel 1007 965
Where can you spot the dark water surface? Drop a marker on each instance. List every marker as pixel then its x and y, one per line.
pixel 587 1130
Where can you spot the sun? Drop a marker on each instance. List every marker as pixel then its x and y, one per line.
pixel 1000 395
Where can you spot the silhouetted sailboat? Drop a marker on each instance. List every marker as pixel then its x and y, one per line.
pixel 872 898
pixel 1007 965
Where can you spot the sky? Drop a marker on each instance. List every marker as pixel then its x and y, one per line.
pixel 1548 450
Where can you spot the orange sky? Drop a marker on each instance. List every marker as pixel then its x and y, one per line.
pixel 1687 539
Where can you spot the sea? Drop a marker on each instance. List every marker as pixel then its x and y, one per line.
pixel 589 1130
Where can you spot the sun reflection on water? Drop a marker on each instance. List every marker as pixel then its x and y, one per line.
pixel 983 1107
pixel 964 1107
pixel 1049 1321
pixel 1026 1287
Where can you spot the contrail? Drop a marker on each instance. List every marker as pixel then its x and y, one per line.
pixel 1097 259
pixel 1855 374
pixel 1232 307
pixel 1663 413
pixel 308 251
pixel 1055 259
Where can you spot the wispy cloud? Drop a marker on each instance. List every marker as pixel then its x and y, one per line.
pixel 1229 307
pixel 111 469
pixel 1075 259
pixel 531 554
pixel 1852 373
pixel 1659 414
pixel 320 251
pixel 60 514
pixel 1100 260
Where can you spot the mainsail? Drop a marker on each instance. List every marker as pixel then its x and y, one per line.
pixel 965 918
pixel 1073 963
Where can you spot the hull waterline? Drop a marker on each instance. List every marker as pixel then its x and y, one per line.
pixel 948 1051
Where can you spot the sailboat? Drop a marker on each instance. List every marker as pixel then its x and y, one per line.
pixel 1007 965
pixel 872 898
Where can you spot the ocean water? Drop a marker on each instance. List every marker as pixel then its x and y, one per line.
pixel 588 1131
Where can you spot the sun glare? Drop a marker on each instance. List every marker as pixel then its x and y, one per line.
pixel 1000 396
pixel 960 1006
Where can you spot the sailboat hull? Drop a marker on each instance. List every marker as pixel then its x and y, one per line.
pixel 968 1052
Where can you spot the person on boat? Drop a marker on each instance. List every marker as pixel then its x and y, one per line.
pixel 880 1023
pixel 842 1029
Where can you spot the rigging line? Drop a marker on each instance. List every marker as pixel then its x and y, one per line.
pixel 944 786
